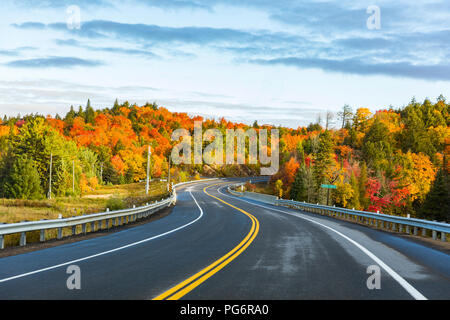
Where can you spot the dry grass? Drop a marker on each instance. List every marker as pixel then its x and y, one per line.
pixel 15 210
pixel 262 187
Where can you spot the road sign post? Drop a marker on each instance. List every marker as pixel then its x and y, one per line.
pixel 328 187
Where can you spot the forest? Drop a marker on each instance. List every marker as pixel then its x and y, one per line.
pixel 394 161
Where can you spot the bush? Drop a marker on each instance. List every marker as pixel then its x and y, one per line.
pixel 115 204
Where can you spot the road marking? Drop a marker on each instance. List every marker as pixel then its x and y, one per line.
pixel 192 282
pixel 405 284
pixel 106 252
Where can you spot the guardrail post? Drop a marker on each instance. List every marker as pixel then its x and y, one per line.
pixel 393 226
pixel 23 238
pixel 59 233
pixel 434 235
pixel 415 231
pixel 408 229
pixel 42 235
pixel 74 230
pixel 400 228
pixel 2 242
pixel 443 237
pixel 83 228
pixel 424 232
pixel 92 226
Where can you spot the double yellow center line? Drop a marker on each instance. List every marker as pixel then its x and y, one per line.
pixel 194 281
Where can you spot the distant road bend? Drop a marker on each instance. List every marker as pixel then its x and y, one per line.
pixel 217 246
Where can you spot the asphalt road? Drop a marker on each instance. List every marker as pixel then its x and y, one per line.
pixel 216 246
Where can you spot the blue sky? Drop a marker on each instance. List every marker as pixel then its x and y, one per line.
pixel 278 62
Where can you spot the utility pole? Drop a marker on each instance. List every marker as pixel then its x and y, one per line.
pixel 101 173
pixel 148 171
pixel 168 179
pixel 50 179
pixel 73 176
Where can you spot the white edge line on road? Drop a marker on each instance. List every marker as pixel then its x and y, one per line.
pixel 109 251
pixel 405 284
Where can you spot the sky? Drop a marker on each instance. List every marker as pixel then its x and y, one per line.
pixel 278 62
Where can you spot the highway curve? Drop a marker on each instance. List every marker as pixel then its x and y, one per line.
pixel 216 246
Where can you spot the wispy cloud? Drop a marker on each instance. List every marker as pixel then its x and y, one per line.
pixel 375 55
pixel 355 66
pixel 144 33
pixel 126 51
pixel 53 62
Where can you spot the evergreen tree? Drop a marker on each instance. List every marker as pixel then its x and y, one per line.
pixel 299 191
pixel 301 153
pixel 22 181
pixel 437 202
pixel 68 119
pixel 116 108
pixel 89 114
pixel 80 112
pixel 322 162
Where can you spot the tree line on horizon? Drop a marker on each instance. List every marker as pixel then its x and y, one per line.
pixel 393 161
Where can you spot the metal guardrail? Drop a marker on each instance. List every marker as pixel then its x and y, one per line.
pixel 118 217
pixel 383 221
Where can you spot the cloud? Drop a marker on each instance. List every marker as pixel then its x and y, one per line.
pixel 30 25
pixel 9 53
pixel 15 52
pixel 75 43
pixel 53 62
pixel 157 34
pixel 328 35
pixel 177 4
pixel 59 3
pixel 355 66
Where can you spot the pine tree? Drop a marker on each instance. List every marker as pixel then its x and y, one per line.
pixel 70 116
pixel 23 180
pixel 322 162
pixel 115 108
pixel 80 112
pixel 437 202
pixel 89 115
pixel 301 153
pixel 299 189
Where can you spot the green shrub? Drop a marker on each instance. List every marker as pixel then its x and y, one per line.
pixel 115 204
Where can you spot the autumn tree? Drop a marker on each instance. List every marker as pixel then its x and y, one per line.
pixel 377 147
pixel 279 188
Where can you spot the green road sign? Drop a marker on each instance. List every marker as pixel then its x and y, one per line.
pixel 328 186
